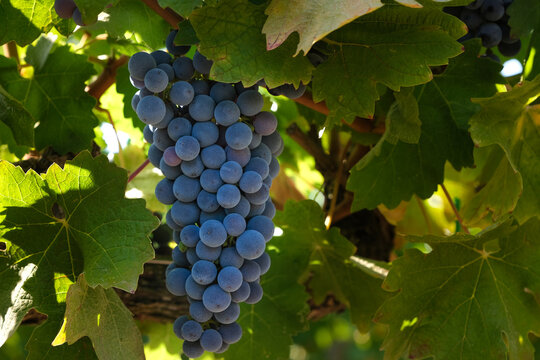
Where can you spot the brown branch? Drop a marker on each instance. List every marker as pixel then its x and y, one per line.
pixel 10 51
pixel 337 183
pixel 107 77
pixel 138 170
pixel 167 14
pixel 454 209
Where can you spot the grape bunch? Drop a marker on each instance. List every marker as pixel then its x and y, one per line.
pixel 487 19
pixel 217 151
pixel 68 9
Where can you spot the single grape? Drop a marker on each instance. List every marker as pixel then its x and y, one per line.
pixel 255 141
pixel 492 10
pixel 471 18
pixel 185 214
pixel 156 80
pixel 222 91
pixel 177 325
pixel 259 197
pixel 179 258
pixel 202 108
pixel 259 166
pixel 201 87
pixel 230 257
pixel 170 157
pixel 250 102
pixel 223 348
pixel 250 245
pixel 139 64
pixel 161 57
pixel 211 180
pixel 207 201
pixel 151 109
pixel 181 93
pixel 148 134
pixel 213 156
pixel 206 252
pixel 255 293
pixel 243 208
pixel 176 281
pixel 215 299
pixel 288 90
pixel 191 330
pixel 136 83
pixel 192 350
pixel 144 92
pixel 170 172
pixel 170 222
pixel 230 172
pixel 269 209
pixel 262 151
pixel 241 294
pixel 240 88
pixel 273 168
pixel 490 33
pixel 229 279
pixel 135 101
pixel 226 113
pixel 263 225
pixel 201 63
pixel 228 196
pixel 193 289
pixel 250 271
pixel 169 115
pixel 213 233
pixel 164 192
pixel 193 168
pixel 229 315
pixel 242 157
pixel 174 49
pixel 206 132
pixel 189 236
pixel 162 140
pixel 64 8
pixel 186 189
pixel 176 237
pixel 168 69
pixel 211 340
pixel 264 262
pixel 187 148
pixel 179 127
pixel 198 312
pixel 204 272
pixel 77 17
pixel 231 333
pixel 234 224
pixel 218 215
pixel 238 136
pixel 315 58
pixel 510 50
pixel 256 210
pixel 250 182
pixel 183 68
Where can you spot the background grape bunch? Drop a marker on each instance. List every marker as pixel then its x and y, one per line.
pixel 217 150
pixel 68 9
pixel 488 20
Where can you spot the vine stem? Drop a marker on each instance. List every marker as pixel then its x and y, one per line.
pixel 108 77
pixel 454 209
pixel 337 184
pixel 137 171
pixel 167 14
pixel 10 51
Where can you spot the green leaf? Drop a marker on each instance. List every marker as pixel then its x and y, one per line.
pixel 524 16
pixel 24 20
pixel 134 20
pixel 230 35
pixel 55 97
pixel 186 34
pixel 90 9
pixel 326 257
pixel 391 173
pixel 61 224
pixel 101 315
pixel 507 121
pixel 182 7
pixel 393 46
pixel 16 118
pixel 37 55
pixel 472 297
pixel 403 119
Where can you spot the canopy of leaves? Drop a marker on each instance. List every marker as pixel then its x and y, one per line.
pixel 182 7
pixel 101 315
pixel 54 96
pixel 394 171
pixel 24 20
pixel 64 223
pixel 363 54
pixel 507 120
pixel 472 297
pixel 230 35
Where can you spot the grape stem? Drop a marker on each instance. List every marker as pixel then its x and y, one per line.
pixel 138 170
pixel 454 209
pixel 167 14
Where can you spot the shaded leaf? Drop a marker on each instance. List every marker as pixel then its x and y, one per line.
pixel 182 7
pixel 16 118
pixel 24 20
pixel 472 297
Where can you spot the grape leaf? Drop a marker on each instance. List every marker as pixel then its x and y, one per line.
pixel 134 20
pixel 101 315
pixel 24 20
pixel 403 119
pixel 16 118
pixel 90 9
pixel 472 297
pixel 182 7
pixel 506 120
pixel 390 173
pixel 524 16
pixel 325 255
pixel 56 99
pixel 230 35
pixel 379 49
pixel 61 224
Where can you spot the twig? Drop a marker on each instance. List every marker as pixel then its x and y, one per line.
pixel 337 184
pixel 334 144
pixel 120 150
pixel 167 14
pixel 454 209
pixel 107 77
pixel 10 51
pixel 138 170
pixel 424 213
